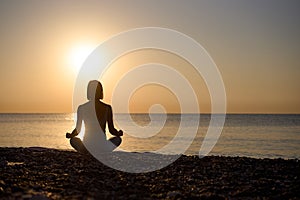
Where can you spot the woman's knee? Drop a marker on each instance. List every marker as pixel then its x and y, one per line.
pixel 75 142
pixel 116 141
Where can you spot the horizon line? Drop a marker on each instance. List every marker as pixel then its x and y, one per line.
pixel 176 113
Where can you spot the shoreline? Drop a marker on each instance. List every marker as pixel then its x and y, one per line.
pixel 43 173
pixel 272 157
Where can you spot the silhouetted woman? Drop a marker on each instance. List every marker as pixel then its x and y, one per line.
pixel 94 115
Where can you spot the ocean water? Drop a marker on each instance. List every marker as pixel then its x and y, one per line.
pixel 252 135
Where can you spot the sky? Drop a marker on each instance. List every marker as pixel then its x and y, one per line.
pixel 255 45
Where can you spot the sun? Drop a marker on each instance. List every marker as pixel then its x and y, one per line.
pixel 78 54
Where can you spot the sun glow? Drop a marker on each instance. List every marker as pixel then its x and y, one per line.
pixel 78 55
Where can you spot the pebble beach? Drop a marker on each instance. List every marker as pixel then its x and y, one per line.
pixel 42 173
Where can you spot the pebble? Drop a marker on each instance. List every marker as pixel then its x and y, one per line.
pixel 172 194
pixel 56 174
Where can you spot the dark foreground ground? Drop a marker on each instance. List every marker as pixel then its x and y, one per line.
pixel 31 173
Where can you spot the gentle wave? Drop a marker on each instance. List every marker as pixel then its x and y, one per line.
pixel 253 135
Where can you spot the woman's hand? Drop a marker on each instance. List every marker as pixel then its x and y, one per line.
pixel 68 135
pixel 73 134
pixel 120 133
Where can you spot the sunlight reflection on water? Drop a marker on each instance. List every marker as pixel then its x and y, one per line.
pixel 243 135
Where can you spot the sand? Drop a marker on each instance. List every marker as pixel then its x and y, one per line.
pixel 41 173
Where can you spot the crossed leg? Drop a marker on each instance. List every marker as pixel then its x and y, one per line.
pixel 77 144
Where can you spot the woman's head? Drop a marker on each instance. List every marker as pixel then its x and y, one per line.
pixel 94 90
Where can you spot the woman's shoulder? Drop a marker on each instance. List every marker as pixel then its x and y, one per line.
pixel 106 105
pixel 82 106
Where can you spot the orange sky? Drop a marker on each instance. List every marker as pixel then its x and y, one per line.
pixel 254 44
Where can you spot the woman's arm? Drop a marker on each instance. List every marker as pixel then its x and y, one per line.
pixel 110 123
pixel 77 129
pixel 79 120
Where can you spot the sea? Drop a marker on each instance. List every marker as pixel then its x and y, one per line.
pixel 250 135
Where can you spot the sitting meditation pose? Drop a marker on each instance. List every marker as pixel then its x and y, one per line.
pixel 93 117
